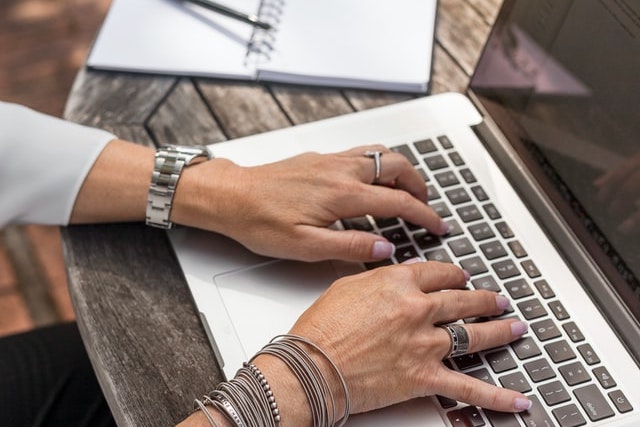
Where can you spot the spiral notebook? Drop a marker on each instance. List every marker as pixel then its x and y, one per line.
pixel 383 44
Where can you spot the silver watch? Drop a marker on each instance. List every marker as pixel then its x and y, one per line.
pixel 170 161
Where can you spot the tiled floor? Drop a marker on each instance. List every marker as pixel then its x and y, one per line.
pixel 42 45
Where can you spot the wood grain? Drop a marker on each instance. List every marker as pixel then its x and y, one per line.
pixel 133 306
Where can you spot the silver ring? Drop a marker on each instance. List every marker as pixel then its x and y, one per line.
pixel 459 340
pixel 376 156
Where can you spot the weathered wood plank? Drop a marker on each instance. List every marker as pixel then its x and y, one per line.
pixel 148 348
pixel 461 32
pixel 363 100
pixel 303 104
pixel 184 118
pixel 243 109
pixel 488 9
pixel 99 98
pixel 447 74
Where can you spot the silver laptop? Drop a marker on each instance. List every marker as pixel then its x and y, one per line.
pixel 515 167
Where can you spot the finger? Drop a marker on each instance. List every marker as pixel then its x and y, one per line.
pixel 434 276
pixel 450 306
pixel 473 391
pixel 347 245
pixel 385 202
pixel 483 336
pixel 397 172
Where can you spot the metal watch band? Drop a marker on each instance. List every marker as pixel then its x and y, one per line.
pixel 169 163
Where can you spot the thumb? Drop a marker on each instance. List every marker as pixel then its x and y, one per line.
pixel 351 245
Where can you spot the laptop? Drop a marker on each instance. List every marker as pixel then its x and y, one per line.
pixel 534 170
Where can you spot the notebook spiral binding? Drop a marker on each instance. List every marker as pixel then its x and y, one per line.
pixel 262 41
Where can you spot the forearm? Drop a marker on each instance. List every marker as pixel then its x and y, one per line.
pixel 115 190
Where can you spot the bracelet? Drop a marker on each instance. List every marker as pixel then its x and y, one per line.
pixel 247 400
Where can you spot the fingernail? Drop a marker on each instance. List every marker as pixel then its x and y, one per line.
pixel 522 404
pixel 519 328
pixel 467 275
pixel 444 228
pixel 502 302
pixel 383 249
pixel 412 260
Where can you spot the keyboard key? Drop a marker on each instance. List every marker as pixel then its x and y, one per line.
pixel 518 288
pixel 425 146
pixel 397 236
pixel 457 196
pixel 515 381
pixel 446 179
pixel 517 249
pixel 474 265
pixel 467 361
pixel 558 310
pixel 539 370
pixel 486 282
pixel 456 418
pixel 454 228
pixel 376 264
pixel 472 416
pixel 469 213
pixel 545 330
pixel 426 240
pixel 602 375
pixel 532 309
pixel 481 231
pixel 525 348
pixel 505 269
pixel 461 247
pixel 478 191
pixel 500 361
pixel 536 416
pixel 446 402
pixel 493 250
pixel 501 419
pixel 554 393
pixel 456 158
pixel 433 193
pixel 436 162
pixel 441 209
pixel 386 222
pixel 361 223
pixel 560 351
pixel 620 400
pixel 467 175
pixel 545 290
pixel 573 331
pixel 593 403
pixel 492 211
pixel 504 230
pixel 587 353
pixel 574 373
pixel 530 268
pixel 438 255
pixel 445 142
pixel 405 150
pixel 405 253
pixel 569 416
pixel 482 374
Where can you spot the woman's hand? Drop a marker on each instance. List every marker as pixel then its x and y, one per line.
pixel 381 329
pixel 284 209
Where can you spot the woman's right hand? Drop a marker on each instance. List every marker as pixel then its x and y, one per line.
pixel 381 329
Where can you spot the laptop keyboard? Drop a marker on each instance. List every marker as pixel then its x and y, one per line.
pixel 552 364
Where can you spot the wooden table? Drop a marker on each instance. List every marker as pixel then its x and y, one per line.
pixel 132 303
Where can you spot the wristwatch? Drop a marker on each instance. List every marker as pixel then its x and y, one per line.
pixel 170 161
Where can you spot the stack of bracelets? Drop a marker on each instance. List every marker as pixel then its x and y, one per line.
pixel 247 399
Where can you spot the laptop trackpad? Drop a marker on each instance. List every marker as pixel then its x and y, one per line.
pixel 266 299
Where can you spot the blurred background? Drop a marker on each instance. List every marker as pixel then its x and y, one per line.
pixel 43 43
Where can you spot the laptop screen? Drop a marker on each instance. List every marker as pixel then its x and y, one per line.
pixel 561 80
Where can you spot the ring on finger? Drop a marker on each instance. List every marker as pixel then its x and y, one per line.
pixel 459 340
pixel 376 156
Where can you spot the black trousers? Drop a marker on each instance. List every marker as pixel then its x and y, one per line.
pixel 46 379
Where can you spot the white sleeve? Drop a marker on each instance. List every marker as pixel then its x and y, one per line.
pixel 43 163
